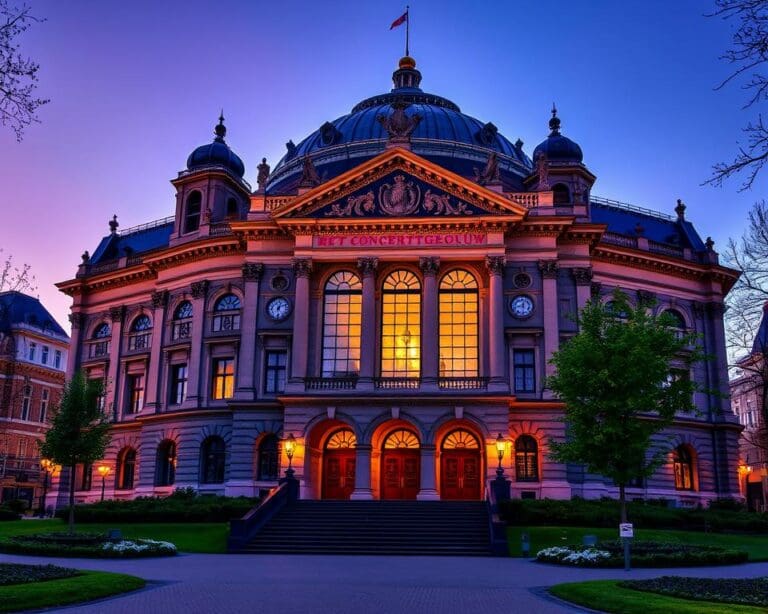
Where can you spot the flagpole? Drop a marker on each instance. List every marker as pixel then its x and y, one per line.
pixel 407 27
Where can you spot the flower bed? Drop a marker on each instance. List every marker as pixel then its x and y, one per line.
pixel 644 554
pixel 746 591
pixel 15 573
pixel 85 545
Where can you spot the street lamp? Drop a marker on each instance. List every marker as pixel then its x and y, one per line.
pixel 501 447
pixel 290 447
pixel 46 465
pixel 103 472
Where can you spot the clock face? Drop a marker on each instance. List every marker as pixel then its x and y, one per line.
pixel 521 306
pixel 278 308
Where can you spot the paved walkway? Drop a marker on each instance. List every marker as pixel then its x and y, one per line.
pixel 301 584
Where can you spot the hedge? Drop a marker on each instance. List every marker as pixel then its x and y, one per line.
pixel 747 591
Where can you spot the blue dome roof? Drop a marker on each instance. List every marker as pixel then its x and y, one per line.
pixel 444 135
pixel 558 147
pixel 217 153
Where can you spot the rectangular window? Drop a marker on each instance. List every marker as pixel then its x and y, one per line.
pixel 223 378
pixel 178 390
pixel 44 405
pixel 86 477
pixel 44 355
pixel 26 402
pixel 57 359
pixel 22 448
pixel 32 351
pixel 135 393
pixel 275 371
pixel 525 371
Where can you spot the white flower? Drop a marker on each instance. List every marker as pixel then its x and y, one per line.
pixel 139 545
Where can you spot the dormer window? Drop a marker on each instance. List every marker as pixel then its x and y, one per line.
pixel 182 321
pixel 226 314
pixel 140 337
pixel 192 212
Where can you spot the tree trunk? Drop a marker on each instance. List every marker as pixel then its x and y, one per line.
pixel 72 500
pixel 623 503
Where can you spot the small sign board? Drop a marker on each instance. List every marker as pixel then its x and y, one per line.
pixel 626 530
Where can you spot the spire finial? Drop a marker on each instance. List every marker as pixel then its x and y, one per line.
pixel 554 122
pixel 220 130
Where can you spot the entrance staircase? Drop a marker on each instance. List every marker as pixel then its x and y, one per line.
pixel 456 528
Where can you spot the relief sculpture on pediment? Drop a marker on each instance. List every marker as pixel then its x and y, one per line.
pixel 359 204
pixel 399 198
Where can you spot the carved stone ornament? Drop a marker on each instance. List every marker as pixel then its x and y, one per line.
pixel 309 176
pixel 548 269
pixel 582 275
pixel 77 320
pixel 495 264
pixel 542 170
pixel 302 267
pixel 398 125
pixel 199 288
pixel 367 266
pixel 399 198
pixel 440 204
pixel 595 289
pixel 160 299
pixel 116 313
pixel 490 173
pixel 646 297
pixel 429 265
pixel 252 271
pixel 359 204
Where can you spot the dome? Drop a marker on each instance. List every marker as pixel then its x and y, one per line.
pixel 217 153
pixel 557 147
pixel 444 135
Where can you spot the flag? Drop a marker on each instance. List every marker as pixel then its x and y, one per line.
pixel 399 21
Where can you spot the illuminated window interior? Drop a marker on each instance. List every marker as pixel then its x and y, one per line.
pixel 458 325
pixel 341 325
pixel 401 439
pixel 341 440
pixel 401 325
pixel 682 463
pixel 460 440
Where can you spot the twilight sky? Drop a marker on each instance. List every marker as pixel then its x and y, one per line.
pixel 136 86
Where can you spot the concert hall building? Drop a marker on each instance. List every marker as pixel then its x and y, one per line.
pixel 389 296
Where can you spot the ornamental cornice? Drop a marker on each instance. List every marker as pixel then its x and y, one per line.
pixel 312 226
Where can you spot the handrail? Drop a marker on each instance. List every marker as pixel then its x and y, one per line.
pixel 601 200
pixel 242 530
pixel 497 528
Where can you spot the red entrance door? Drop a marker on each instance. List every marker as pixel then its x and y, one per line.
pixel 460 474
pixel 400 474
pixel 338 474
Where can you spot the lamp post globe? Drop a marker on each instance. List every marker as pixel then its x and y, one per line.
pixel 104 471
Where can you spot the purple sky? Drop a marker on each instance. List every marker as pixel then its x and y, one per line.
pixel 135 86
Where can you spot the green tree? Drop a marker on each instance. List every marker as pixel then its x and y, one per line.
pixel 79 431
pixel 620 383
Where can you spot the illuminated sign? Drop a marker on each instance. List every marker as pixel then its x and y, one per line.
pixel 463 239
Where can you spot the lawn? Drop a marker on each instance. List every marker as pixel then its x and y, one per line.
pixel 607 596
pixel 86 587
pixel 544 537
pixel 207 537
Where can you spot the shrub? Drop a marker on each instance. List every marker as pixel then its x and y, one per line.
pixel 17 505
pixel 15 573
pixel 726 504
pixel 747 591
pixel 8 514
pixel 53 544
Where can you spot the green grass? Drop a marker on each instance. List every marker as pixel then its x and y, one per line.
pixel 206 537
pixel 544 537
pixel 86 587
pixel 607 596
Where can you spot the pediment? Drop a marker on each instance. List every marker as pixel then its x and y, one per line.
pixel 399 184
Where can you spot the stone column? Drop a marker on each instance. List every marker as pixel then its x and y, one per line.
pixel 302 268
pixel 430 348
pixel 428 490
pixel 116 314
pixel 363 490
pixel 367 268
pixel 549 307
pixel 583 279
pixel 156 367
pixel 496 341
pixel 195 378
pixel 76 345
pixel 252 272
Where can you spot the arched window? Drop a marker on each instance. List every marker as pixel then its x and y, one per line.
pixel 182 321
pixel 126 469
pixel 458 325
pixel 460 440
pixel 102 331
pixel 192 212
pixel 226 313
pixel 683 465
pixel 561 195
pixel 269 458
pixel 341 324
pixel 678 322
pixel 99 346
pixel 343 439
pixel 232 208
pixel 140 336
pixel 401 439
pixel 526 459
pixel 213 456
pixel 401 325
pixel 165 466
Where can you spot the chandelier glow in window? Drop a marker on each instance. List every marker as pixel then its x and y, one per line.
pixel 458 325
pixel 401 325
pixel 460 440
pixel 341 324
pixel 401 439
pixel 341 440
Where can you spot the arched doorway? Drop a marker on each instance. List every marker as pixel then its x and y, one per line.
pixel 339 465
pixel 400 465
pixel 460 466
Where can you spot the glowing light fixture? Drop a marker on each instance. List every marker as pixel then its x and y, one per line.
pixel 104 471
pixel 290 448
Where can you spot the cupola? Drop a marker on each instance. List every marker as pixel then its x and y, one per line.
pixel 217 153
pixel 556 147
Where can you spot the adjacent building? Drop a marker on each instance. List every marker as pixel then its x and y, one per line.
pixel 389 295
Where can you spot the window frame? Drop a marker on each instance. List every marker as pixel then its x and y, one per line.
pixel 272 372
pixel 166 459
pixel 526 471
pixel 525 369
pixel 461 319
pixel 397 301
pixel 134 392
pixel 126 459
pixel 222 379
pixel 215 473
pixel 335 344
pixel 177 386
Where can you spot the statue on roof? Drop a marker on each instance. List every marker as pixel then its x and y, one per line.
pixel 113 225
pixel 261 178
pixel 309 175
pixel 490 173
pixel 398 125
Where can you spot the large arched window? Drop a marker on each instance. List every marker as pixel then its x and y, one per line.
pixel 458 325
pixel 212 456
pixel 126 469
pixel 182 321
pixel 678 322
pixel 99 346
pixel 165 466
pixel 269 458
pixel 683 465
pixel 526 459
pixel 341 324
pixel 401 325
pixel 226 313
pixel 141 333
pixel 192 212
